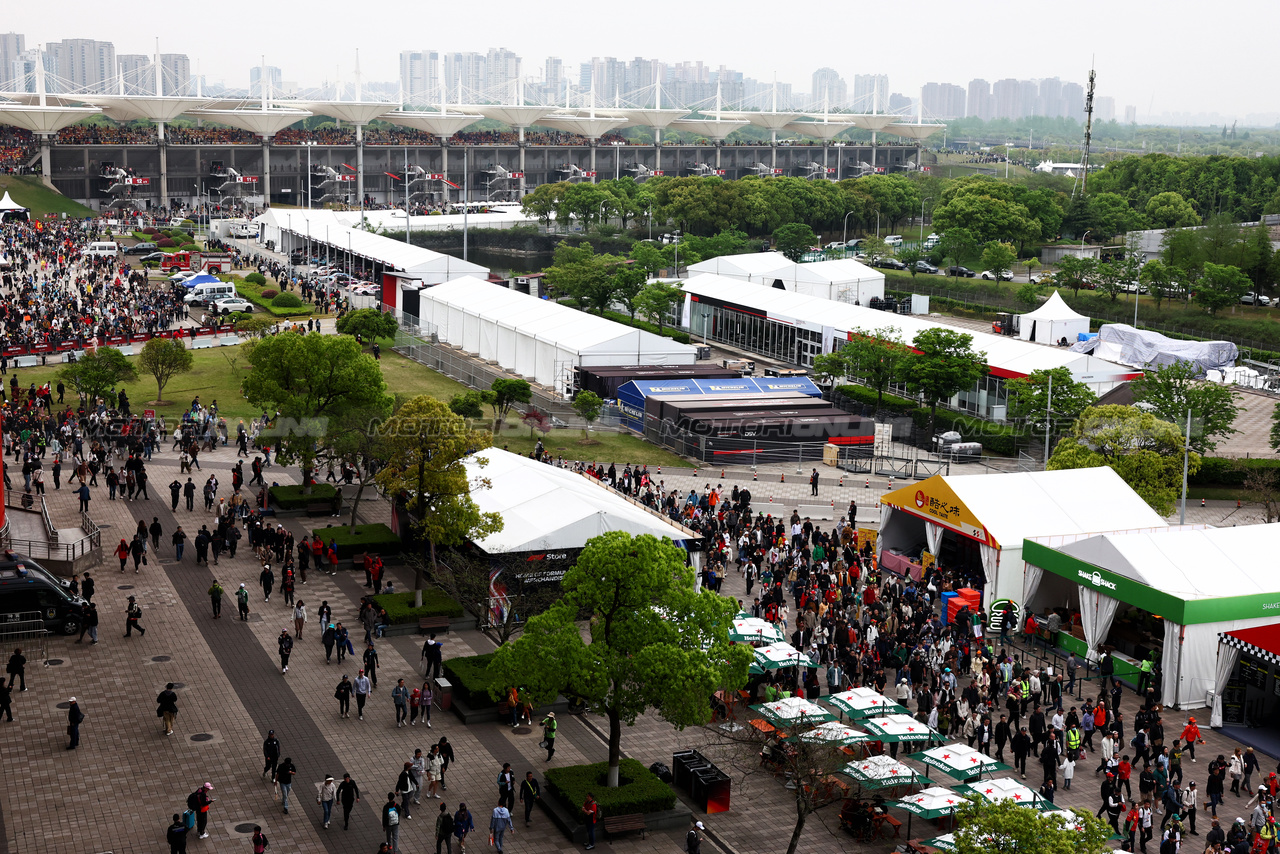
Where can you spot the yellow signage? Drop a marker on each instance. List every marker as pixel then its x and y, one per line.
pixel 867 535
pixel 934 501
pixel 926 560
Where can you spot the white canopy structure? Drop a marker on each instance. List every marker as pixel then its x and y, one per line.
pixel 11 210
pixel 1052 321
pixel 999 511
pixel 551 509
pixel 1206 584
pixel 843 280
pixel 538 339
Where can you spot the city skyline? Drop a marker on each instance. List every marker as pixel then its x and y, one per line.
pixel 1181 93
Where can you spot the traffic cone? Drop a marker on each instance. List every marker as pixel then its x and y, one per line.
pixel 833 504
pixel 770 499
pixel 1237 503
pixel 722 474
pixel 1201 502
pixel 695 472
pixel 841 480
pixel 784 478
pixel 659 471
pixel 753 476
pixel 868 486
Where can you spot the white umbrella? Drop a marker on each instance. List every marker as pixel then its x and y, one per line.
pixel 899 728
pixel 960 761
pixel 834 733
pixel 1001 789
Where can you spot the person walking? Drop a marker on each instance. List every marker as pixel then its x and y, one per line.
pixel 242 602
pixel 507 786
pixel 268 580
pixel 463 824
pixel 590 812
pixel 418 770
pixel 133 613
pixel 189 493
pixel 285 644
pixel 343 695
pixel 400 697
pixel 499 824
pixel 549 727
pixel 285 773
pixel 75 717
pixel 349 795
pixel 215 599
pixel 270 755
pixel 391 821
pixel 530 793
pixel 299 618
pixel 444 829
pixel 167 707
pixel 446 758
pixel 176 835
pixel 693 839
pixel 432 653
pixel 6 701
pixel 362 693
pixel 404 788
pixel 371 665
pixel 17 669
pixel 155 530
pixel 175 494
pixel 328 793
pixel 90 624
pixel 434 771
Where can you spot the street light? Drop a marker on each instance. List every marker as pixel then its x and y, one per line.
pixel 922 201
pixel 846 230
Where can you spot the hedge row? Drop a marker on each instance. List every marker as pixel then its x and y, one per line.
pixel 996 438
pixel 254 294
pixel 1221 471
pixel 435 603
pixel 638 791
pixel 376 538
pixel 667 332
pixel 469 676
pixel 293 498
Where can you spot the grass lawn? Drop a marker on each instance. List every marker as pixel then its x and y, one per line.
pixel 30 192
pixel 620 448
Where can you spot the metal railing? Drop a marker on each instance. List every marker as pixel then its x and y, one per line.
pixel 28 632
pixel 52 547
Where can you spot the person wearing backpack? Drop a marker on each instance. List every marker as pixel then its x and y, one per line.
pixel 260 843
pixel 444 829
pixel 199 802
pixel 693 839
pixel 391 821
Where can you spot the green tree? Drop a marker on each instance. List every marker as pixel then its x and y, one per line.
pixel 1030 403
pixel 1028 294
pixel 368 324
pixel 874 247
pixel 1170 210
pixel 653 641
pixel 1144 450
pixel 909 255
pixel 1108 279
pixel 1275 428
pixel 309 380
pixel 1008 827
pixel 353 438
pixel 469 404
pixel 794 239
pixel 96 374
pixel 1074 272
pixel 628 282
pixel 1173 390
pixel 650 257
pixel 1220 286
pixel 543 202
pixel 943 364
pixel 505 392
pixel 656 300
pixel 958 244
pixel 587 404
pixel 875 359
pixel 1158 279
pixel 424 446
pixel 988 218
pixel 164 359
pixel 999 258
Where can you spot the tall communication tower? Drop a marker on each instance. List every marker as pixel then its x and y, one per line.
pixel 1088 134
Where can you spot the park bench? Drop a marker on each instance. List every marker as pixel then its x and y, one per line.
pixel 320 508
pixel 615 824
pixel 433 624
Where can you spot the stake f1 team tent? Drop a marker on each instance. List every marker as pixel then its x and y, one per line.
pixel 989 516
pixel 1186 586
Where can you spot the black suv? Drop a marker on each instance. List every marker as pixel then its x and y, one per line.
pixel 28 592
pixel 963 272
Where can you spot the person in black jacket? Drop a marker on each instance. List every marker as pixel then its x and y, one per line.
pixel 167 707
pixel 530 793
pixel 75 717
pixel 446 753
pixel 176 835
pixel 349 794
pixel 271 753
pixel 284 778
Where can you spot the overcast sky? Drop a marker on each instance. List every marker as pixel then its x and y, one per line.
pixel 1166 57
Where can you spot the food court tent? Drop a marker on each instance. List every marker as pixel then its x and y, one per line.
pixel 1203 583
pixel 843 280
pixel 538 339
pixel 1053 321
pixel 998 511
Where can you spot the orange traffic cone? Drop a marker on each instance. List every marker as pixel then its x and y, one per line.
pixel 868 486
pixel 1201 502
pixel 695 472
pixel 659 471
pixel 770 499
pixel 721 474
pixel 1237 503
pixel 783 479
pixel 754 477
pixel 842 480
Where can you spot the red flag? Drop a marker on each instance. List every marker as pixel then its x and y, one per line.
pixel 392 176
pixel 352 168
pixel 450 183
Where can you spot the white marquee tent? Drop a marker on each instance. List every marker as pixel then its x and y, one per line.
pixel 11 210
pixel 536 338
pixel 841 280
pixel 1051 322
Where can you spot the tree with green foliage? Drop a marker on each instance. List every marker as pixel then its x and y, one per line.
pixel 729 241
pixel 368 324
pixel 988 218
pixel 588 405
pixel 309 380
pixel 1220 286
pixel 1275 429
pixel 794 240
pixel 650 257
pixel 958 244
pixel 875 359
pixel 1158 279
pixel 469 404
pixel 1108 279
pixel 999 259
pixel 1074 272
pixel 354 440
pixel 425 446
pixel 874 247
pixel 1028 294
pixel 1173 390
pixel 504 393
pixel 654 641
pixel 584 275
pixel 628 281
pixel 164 359
pixel 656 300
pixel 1032 402
pixel 1170 210
pixel 1008 827
pixel 96 374
pixel 909 255
pixel 543 201
pixel 943 364
pixel 1144 450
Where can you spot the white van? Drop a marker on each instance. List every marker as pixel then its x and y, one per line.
pixel 103 249
pixel 893 241
pixel 210 291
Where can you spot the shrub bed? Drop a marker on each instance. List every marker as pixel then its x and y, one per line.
pixel 1221 471
pixel 376 538
pixel 435 603
pixel 638 791
pixel 286 300
pixel 257 295
pixel 469 676
pixel 292 498
pixel 667 331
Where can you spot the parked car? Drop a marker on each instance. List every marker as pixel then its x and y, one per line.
pixel 1255 299
pixel 835 244
pixel 893 240
pixel 1005 275
pixel 923 266
pixel 140 249
pixel 889 264
pixel 228 305
pixel 154 257
pixel 1041 278
pixel 961 272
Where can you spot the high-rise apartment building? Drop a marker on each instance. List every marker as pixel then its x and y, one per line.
pixel 553 77
pixel 465 69
pixel 829 88
pixel 870 91
pixel 1104 108
pixel 943 101
pixel 1073 101
pixel 82 65
pixel 501 71
pixel 979 103
pixel 420 76
pixel 176 69
pixel 1130 114
pixel 274 79
pixel 136 75
pixel 12 46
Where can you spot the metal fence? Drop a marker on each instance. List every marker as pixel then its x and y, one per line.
pixel 53 546
pixel 27 631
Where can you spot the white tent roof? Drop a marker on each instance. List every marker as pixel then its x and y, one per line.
pixel 836 272
pixel 1008 357
pixel 751 266
pixel 1191 564
pixel 1052 321
pixel 8 204
pixel 1055 308
pixel 547 508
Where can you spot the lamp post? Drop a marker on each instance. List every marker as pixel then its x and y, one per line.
pixel 922 201
pixel 1082 237
pixel 846 231
pixel 648 210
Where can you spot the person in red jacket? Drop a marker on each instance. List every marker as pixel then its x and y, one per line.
pixel 1190 737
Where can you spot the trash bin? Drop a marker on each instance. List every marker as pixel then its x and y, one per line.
pixel 444 693
pixel 710 789
pixel 682 765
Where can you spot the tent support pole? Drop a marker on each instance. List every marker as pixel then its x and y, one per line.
pixel 1177 685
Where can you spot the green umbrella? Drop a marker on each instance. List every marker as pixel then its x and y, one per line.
pixel 881 772
pixel 779 655
pixel 959 760
pixel 891 728
pixel 946 842
pixel 836 734
pixel 793 710
pixel 863 703
pixel 934 802
pixel 754 630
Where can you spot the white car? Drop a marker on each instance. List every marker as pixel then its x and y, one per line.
pixel 228 305
pixel 1005 275
pixel 183 275
pixel 367 289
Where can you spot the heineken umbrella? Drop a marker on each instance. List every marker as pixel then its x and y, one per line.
pixel 946 842
pixel 836 734
pixel 754 630
pixel 899 727
pixel 779 655
pixel 1070 820
pixel 881 772
pixel 1002 789
pixel 793 710
pixel 933 802
pixel 864 702
pixel 960 761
